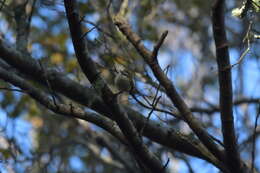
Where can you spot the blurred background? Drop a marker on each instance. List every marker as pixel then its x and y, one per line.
pixel 33 139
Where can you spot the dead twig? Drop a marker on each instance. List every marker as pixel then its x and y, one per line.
pixel 254 140
pixel 159 44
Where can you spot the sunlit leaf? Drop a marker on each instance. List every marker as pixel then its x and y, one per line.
pixel 56 58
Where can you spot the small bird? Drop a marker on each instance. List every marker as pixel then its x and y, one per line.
pixel 123 80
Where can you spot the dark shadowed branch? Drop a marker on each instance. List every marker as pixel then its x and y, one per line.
pixel 215 108
pixel 254 139
pixel 89 69
pixel 170 89
pixel 225 92
pixel 87 97
pixel 62 109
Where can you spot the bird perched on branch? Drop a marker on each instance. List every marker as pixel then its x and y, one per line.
pixel 123 79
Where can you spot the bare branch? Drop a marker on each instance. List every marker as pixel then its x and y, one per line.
pixel 176 115
pixel 99 29
pixel 225 82
pixel 217 109
pixel 62 109
pixel 48 84
pixel 159 44
pixel 254 139
pixel 154 105
pixel 176 99
pixel 89 69
pixel 87 96
pixel 23 21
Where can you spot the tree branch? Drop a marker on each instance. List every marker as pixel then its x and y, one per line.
pixel 171 92
pixel 225 82
pixel 23 21
pixel 159 44
pixel 89 69
pixel 25 65
pixel 217 109
pixel 62 109
pixel 254 139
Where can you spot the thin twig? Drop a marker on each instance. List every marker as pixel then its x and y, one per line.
pixel 153 107
pixel 156 109
pixel 48 85
pixel 31 15
pixel 159 44
pixel 217 140
pixel 166 164
pixel 254 140
pixel 86 33
pixel 248 39
pixel 99 28
pixel 154 104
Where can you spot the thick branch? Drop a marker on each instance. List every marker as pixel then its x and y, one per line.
pixel 87 96
pixel 62 109
pixel 176 99
pixel 225 82
pixel 89 69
